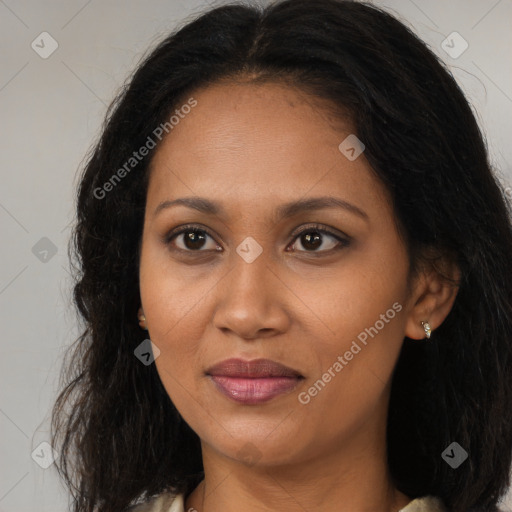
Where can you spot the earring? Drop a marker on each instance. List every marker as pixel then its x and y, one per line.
pixel 427 329
pixel 142 320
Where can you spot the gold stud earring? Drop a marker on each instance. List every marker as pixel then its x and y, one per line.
pixel 142 320
pixel 427 329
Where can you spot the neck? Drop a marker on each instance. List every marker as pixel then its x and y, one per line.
pixel 354 478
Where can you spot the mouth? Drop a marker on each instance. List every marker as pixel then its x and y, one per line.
pixel 253 382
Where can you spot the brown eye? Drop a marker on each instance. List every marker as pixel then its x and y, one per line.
pixel 192 240
pixel 318 240
pixel 312 240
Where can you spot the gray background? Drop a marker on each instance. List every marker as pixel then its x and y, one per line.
pixel 51 111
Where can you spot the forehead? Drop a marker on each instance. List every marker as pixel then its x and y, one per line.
pixel 259 144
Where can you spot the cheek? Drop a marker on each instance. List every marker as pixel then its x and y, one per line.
pixel 172 303
pixel 362 320
pixel 349 389
pixel 170 293
pixel 358 295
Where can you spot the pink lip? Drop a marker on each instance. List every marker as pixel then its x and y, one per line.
pixel 254 391
pixel 253 382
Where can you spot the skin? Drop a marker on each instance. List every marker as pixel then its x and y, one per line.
pixel 252 148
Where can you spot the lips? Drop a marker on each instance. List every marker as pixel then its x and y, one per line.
pixel 251 369
pixel 253 382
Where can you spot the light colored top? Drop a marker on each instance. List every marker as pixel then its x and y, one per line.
pixel 175 503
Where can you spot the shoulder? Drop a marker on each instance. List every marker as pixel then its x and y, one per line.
pixel 165 502
pixel 432 504
pixel 425 504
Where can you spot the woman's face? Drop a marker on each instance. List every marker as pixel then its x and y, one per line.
pixel 331 303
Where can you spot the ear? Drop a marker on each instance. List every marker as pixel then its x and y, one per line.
pixel 433 293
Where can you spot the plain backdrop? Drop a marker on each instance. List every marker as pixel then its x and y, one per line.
pixel 51 110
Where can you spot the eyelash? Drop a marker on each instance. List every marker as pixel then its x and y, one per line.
pixel 318 228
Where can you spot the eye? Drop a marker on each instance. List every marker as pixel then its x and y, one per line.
pixel 315 236
pixel 312 237
pixel 191 239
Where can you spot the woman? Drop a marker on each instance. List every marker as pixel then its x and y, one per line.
pixel 294 278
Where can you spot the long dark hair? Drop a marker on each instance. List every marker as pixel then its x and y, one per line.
pixel 119 435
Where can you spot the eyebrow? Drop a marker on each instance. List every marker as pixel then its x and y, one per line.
pixel 283 211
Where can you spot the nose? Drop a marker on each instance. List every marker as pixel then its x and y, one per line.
pixel 251 301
